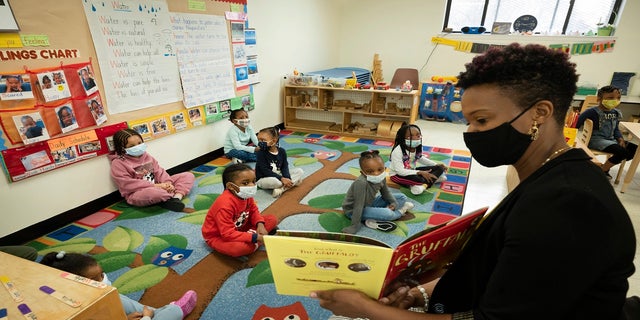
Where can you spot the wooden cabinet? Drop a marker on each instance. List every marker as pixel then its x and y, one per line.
pixel 27 277
pixel 365 113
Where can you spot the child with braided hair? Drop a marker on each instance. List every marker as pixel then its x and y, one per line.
pixel 141 180
pixel 87 266
pixel 409 167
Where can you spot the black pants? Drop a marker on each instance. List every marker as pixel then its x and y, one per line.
pixel 620 153
pixel 435 170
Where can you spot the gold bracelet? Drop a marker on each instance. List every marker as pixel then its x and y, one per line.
pixel 425 296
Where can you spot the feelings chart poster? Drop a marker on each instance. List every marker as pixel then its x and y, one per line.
pixel 135 52
pixel 202 47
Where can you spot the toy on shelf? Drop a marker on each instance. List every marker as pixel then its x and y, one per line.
pixel 382 86
pixel 406 86
pixel 441 102
pixel 376 71
pixel 441 79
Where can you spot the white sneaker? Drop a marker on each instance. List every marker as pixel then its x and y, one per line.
pixel 418 189
pixel 277 192
pixel 236 161
pixel 406 207
pixel 442 178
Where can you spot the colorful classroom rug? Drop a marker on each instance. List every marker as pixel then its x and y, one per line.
pixel 156 255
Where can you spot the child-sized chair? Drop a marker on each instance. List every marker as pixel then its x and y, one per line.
pixel 585 136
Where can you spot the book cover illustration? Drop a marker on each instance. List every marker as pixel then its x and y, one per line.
pixel 304 261
pixel 31 127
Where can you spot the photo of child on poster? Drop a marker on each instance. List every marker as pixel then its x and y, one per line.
pixel 31 127
pixel 15 87
pixel 97 110
pixel 53 85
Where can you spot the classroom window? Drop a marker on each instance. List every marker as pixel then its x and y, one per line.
pixel 553 16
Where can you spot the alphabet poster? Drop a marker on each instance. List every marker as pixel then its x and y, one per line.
pixel 135 52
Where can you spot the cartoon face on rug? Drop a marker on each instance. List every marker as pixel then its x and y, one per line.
pixel 294 311
pixel 171 256
pixel 323 155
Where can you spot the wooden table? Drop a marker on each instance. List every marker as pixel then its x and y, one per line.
pixel 28 276
pixel 634 130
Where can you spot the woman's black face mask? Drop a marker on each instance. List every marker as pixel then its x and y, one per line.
pixel 502 145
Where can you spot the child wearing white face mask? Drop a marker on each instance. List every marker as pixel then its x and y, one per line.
pixel 234 226
pixel 409 167
pixel 362 202
pixel 141 180
pixel 241 142
pixel 86 266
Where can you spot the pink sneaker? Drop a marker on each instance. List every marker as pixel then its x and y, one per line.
pixel 187 302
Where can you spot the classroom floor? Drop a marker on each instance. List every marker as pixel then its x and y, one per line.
pixel 487 186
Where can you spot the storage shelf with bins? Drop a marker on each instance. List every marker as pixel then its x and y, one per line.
pixel 349 112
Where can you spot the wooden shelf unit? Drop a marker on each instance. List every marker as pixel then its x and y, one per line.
pixel 329 110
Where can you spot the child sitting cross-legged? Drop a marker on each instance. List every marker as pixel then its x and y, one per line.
pixel 370 200
pixel 86 266
pixel 272 167
pixel 234 226
pixel 409 167
pixel 140 178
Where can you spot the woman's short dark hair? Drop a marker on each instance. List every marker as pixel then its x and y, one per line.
pixel 527 74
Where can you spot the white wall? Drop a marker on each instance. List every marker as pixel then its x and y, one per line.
pixel 290 34
pixel 307 35
pixel 401 32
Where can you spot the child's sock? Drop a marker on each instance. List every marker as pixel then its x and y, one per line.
pixel 187 302
pixel 178 196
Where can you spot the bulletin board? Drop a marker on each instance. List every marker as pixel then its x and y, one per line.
pixel 57 40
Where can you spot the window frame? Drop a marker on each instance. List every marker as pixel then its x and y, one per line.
pixel 612 17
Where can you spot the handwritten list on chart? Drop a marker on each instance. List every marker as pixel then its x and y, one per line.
pixel 204 57
pixel 134 45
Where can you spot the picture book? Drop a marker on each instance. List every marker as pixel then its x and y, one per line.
pixel 302 261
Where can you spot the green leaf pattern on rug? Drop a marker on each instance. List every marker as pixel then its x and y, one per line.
pixel 204 201
pixel 333 221
pixel 209 180
pixel 299 162
pixel 80 245
pixel 438 157
pixel 115 260
pixel 131 212
pixel 328 201
pixel 335 145
pixel 354 171
pixel 297 151
pixel 140 278
pixel 260 274
pixel 355 148
pixel 122 239
pixel 293 141
pixel 196 217
pixel 161 242
pixel 421 198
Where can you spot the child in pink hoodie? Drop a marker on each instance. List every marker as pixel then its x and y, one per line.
pixel 141 180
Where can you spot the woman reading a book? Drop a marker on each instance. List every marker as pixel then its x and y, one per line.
pixel 560 245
